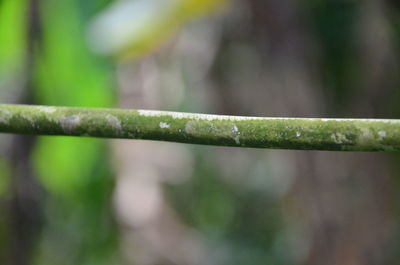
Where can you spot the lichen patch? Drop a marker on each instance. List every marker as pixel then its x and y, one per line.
pixel 5 116
pixel 235 129
pixel 189 127
pixel 339 138
pixel 70 123
pixel 47 109
pixel 382 134
pixel 114 122
pixel 29 118
pixel 164 125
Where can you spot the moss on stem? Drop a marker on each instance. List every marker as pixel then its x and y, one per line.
pixel 279 133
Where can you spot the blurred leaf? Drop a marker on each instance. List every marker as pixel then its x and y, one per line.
pixel 68 74
pixel 65 164
pixel 12 33
pixel 75 171
pixel 136 27
pixel 12 43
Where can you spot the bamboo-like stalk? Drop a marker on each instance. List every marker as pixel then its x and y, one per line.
pixel 279 133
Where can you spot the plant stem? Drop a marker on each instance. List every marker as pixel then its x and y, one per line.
pixel 279 133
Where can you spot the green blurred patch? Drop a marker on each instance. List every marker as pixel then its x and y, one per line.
pixel 5 173
pixel 75 171
pixel 68 74
pixel 12 44
pixel 65 164
pixel 12 34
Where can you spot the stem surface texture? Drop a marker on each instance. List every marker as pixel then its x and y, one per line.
pixel 259 132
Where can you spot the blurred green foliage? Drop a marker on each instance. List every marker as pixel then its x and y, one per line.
pixel 12 43
pixel 80 227
pixel 75 172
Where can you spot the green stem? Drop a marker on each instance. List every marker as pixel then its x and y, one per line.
pixel 280 133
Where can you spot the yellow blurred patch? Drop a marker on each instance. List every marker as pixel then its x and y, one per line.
pixel 201 7
pixel 167 23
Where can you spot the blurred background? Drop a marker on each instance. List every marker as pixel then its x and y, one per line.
pixel 94 201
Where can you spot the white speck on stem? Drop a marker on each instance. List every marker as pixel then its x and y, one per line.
pixel 382 134
pixel 298 134
pixel 339 138
pixel 367 134
pixel 235 129
pixel 47 109
pixel 164 125
pixel 70 123
pixel 189 127
pixel 114 122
